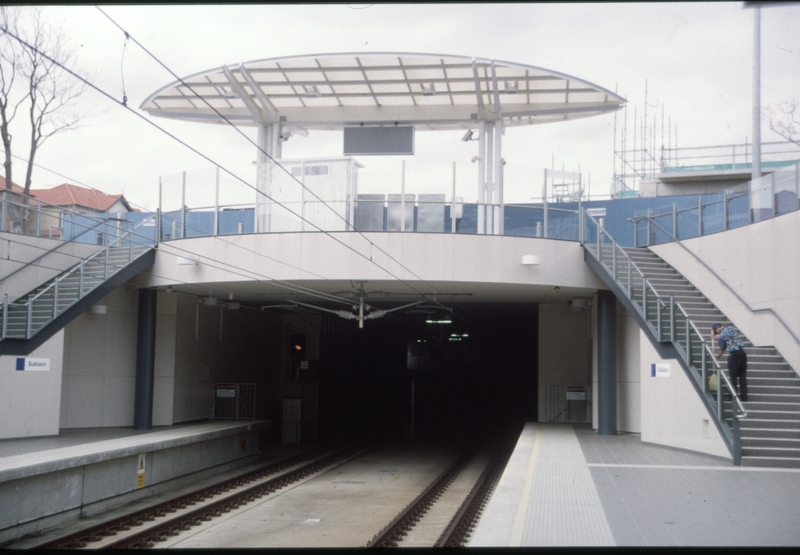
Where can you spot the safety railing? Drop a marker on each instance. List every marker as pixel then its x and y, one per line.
pixel 24 317
pixel 667 321
pixel 772 195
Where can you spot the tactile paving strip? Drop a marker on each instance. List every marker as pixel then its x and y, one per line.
pixel 557 505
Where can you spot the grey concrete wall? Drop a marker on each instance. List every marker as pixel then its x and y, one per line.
pixel 215 344
pixel 672 412
pixel 42 489
pixel 564 349
pixel 761 263
pixel 16 251
pixel 30 401
pixel 313 256
pixel 100 363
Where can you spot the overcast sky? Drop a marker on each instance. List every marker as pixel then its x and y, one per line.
pixel 696 59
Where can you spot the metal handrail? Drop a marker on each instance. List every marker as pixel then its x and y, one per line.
pixel 62 244
pixel 725 283
pixel 718 368
pixel 81 264
pixel 659 299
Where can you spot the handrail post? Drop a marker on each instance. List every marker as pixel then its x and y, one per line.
pixel 158 226
pixel 30 319
pixel 3 209
pixel 130 249
pixel 597 232
pixel 699 216
pixel 105 268
pixel 183 207
pixel 658 322
pixel 614 260
pixel 688 343
pixel 629 283
pixel 39 219
pixel 644 298
pixel 635 232
pixel 649 226
pixel 216 206
pixel 672 334
pixel 5 314
pixel 55 296
pixel 724 210
pixel 80 279
pixel 720 385
pixel 704 370
pixel 675 220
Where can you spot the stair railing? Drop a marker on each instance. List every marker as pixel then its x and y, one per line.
pixel 786 327
pixel 668 322
pixel 52 292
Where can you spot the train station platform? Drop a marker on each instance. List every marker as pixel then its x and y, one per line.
pixel 566 485
pixel 46 481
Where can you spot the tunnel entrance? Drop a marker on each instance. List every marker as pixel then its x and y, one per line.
pixel 416 374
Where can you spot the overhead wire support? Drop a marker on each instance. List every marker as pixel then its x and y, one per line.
pixel 349 224
pixel 207 158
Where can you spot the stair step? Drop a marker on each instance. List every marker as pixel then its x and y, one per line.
pixel 777 462
pixel 772 433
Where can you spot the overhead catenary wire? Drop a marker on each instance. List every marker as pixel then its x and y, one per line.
pixel 189 227
pixel 207 158
pixel 372 245
pixel 129 36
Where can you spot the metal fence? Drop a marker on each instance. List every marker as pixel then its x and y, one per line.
pixel 234 401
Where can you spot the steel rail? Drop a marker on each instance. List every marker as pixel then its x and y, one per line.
pixel 83 538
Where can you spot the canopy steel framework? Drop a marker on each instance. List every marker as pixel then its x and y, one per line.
pixel 429 91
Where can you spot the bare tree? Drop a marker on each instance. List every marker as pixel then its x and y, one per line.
pixel 34 56
pixel 784 119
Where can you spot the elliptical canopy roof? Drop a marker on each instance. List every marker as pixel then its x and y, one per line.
pixel 429 91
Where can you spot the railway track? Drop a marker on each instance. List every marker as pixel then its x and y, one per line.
pixel 456 495
pixel 147 527
pixel 399 532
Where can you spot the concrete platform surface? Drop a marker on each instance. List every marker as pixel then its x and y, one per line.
pixel 568 486
pixel 20 458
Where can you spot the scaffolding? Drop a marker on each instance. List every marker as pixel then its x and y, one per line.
pixel 644 158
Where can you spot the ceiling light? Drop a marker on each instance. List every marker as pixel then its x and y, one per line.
pixel 311 91
pixel 428 90
pixel 531 259
pixel 512 88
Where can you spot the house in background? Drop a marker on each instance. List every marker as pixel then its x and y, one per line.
pixel 67 199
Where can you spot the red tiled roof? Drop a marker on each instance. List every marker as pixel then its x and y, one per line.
pixel 14 187
pixel 73 195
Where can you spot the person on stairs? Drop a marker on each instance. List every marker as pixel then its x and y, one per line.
pixel 727 338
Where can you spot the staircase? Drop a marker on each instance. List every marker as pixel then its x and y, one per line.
pixel 27 322
pixel 770 433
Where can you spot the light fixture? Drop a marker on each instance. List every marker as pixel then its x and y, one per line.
pixel 209 301
pixel 446 321
pixel 576 305
pixel 531 259
pixel 475 158
pixel 428 90
pixel 311 91
pixel 187 261
pixel 300 131
pixel 169 289
pixel 98 309
pixel 232 306
pixel 512 88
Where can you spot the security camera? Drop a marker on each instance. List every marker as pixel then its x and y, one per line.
pixel 467 136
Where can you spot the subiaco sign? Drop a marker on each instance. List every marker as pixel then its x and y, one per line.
pixel 33 364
